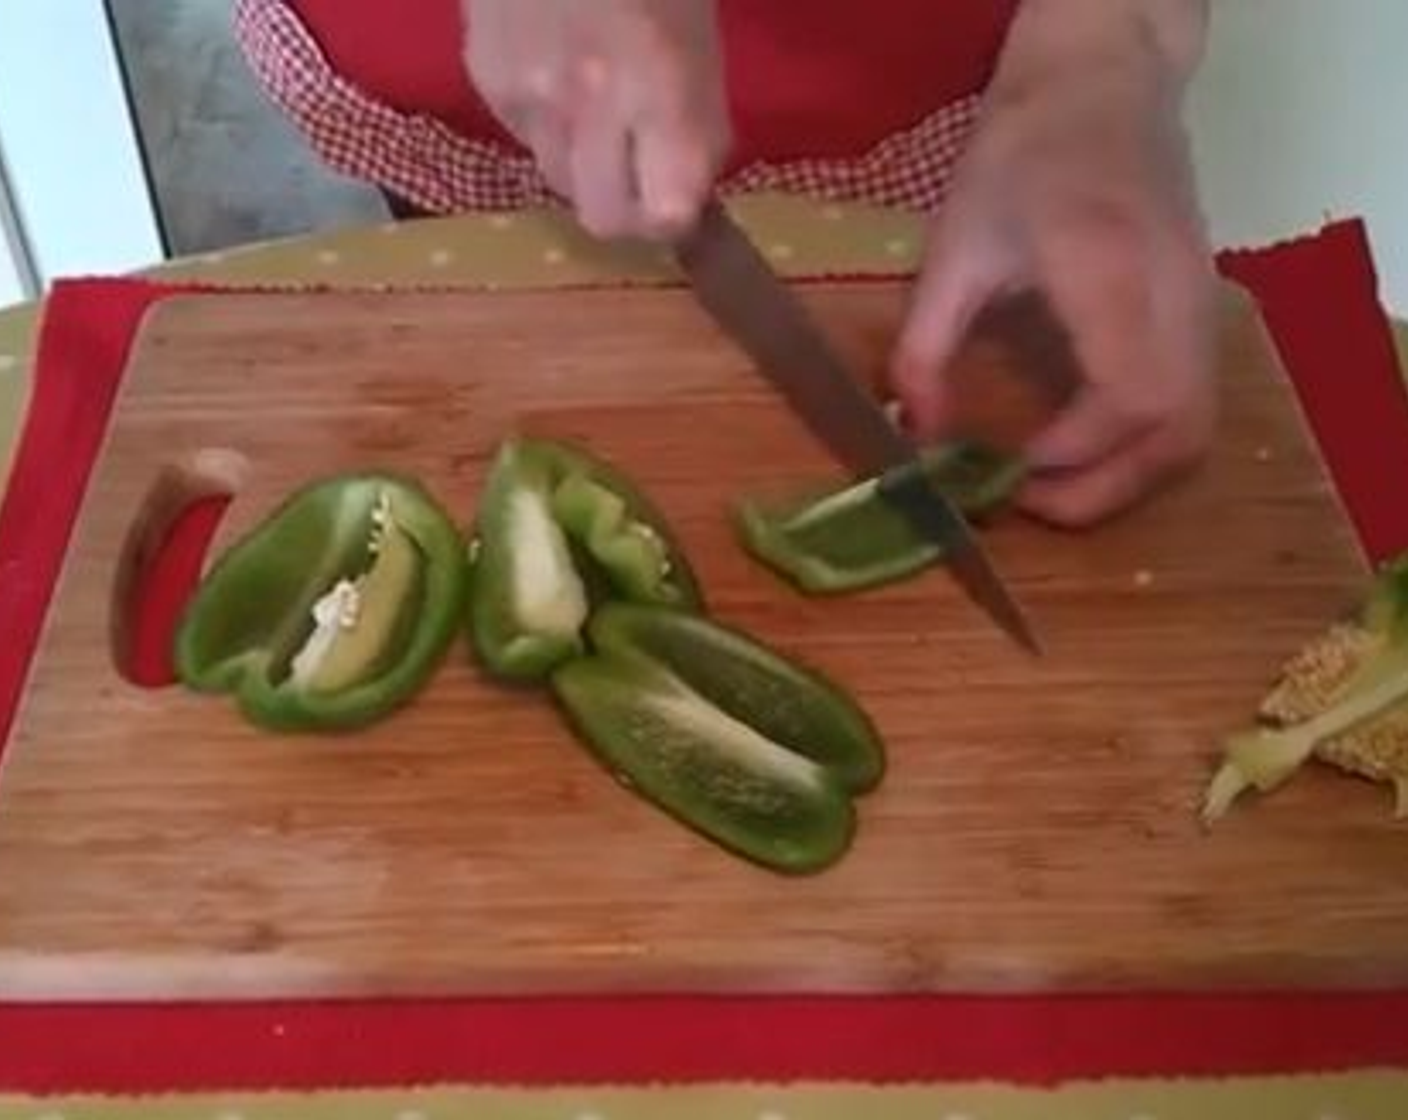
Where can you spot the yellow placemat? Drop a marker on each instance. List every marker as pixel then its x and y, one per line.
pixel 1370 1095
pixel 530 249
pixel 540 247
pixel 536 249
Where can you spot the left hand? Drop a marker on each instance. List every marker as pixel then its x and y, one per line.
pixel 1079 184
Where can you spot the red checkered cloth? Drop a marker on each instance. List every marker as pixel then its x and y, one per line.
pixel 420 159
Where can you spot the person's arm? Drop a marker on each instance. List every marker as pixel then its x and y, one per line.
pixel 1078 184
pixel 1049 37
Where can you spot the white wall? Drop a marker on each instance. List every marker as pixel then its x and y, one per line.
pixel 68 144
pixel 1301 112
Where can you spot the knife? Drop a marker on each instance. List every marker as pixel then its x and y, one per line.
pixel 738 289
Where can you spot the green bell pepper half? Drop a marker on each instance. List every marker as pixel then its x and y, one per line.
pixel 853 539
pixel 790 703
pixel 755 753
pixel 333 611
pixel 558 531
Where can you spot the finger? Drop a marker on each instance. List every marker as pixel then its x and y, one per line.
pixel 603 190
pixel 1089 496
pixel 959 276
pixel 1113 484
pixel 549 138
pixel 525 89
pixel 1136 316
pixel 673 173
pixel 675 97
pixel 1091 428
pixel 1095 270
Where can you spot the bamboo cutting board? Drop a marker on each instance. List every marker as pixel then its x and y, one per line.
pixel 1037 825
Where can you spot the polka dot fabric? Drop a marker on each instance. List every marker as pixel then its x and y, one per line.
pixel 441 171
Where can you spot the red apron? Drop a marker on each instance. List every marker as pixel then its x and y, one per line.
pixel 834 98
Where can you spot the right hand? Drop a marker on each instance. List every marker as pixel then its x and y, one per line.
pixel 621 102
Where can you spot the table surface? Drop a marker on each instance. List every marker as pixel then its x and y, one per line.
pixel 543 249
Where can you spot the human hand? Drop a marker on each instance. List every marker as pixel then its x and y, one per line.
pixel 1078 184
pixel 622 102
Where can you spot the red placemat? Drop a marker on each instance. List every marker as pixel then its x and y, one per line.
pixel 1319 297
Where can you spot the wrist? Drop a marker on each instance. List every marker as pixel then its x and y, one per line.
pixel 1150 43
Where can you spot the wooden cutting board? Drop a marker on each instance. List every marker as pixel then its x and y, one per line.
pixel 1037 826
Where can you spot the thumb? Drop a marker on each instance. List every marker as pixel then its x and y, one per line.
pixel 1088 430
pixel 956 281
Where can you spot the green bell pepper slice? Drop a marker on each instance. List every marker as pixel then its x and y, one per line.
pixel 852 539
pixel 716 775
pixel 560 530
pixel 788 702
pixel 649 704
pixel 333 611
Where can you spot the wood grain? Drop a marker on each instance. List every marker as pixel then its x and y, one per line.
pixel 1037 826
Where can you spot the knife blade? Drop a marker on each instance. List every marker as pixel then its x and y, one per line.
pixel 736 286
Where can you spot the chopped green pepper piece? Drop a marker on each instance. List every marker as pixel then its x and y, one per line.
pixel 632 542
pixel 633 557
pixel 710 771
pixel 332 612
pixel 559 530
pixel 789 703
pixel 853 539
pixel 1342 698
pixel 527 600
